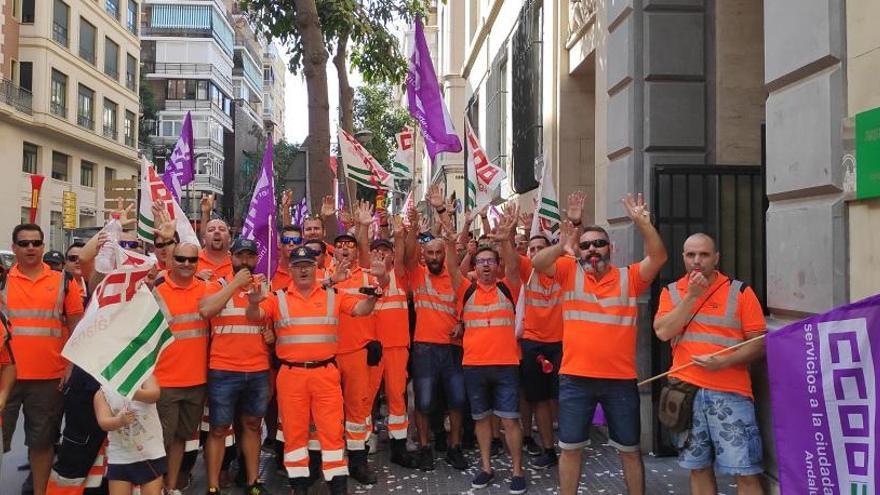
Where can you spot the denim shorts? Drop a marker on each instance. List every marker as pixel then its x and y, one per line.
pixel 434 365
pixel 537 385
pixel 229 391
pixel 493 389
pixel 724 425
pixel 578 397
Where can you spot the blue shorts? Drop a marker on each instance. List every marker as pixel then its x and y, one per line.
pixel 537 385
pixel 578 397
pixel 433 365
pixel 493 389
pixel 229 391
pixel 724 425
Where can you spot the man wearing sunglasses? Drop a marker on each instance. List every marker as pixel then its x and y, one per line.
pixel 182 369
pixel 214 260
pixel 599 340
pixel 39 305
pixel 164 250
pixel 290 239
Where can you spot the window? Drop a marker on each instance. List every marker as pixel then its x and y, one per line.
pixel 86 41
pixel 109 175
pixel 526 88
pixel 201 90
pixel 26 75
pixel 113 8
pixel 60 22
pixel 56 231
pixel 85 113
pixel 176 89
pixel 110 119
pixel 58 102
pixel 27 11
pixel 111 58
pixel 29 158
pixel 60 163
pixel 25 214
pixel 87 174
pixel 132 17
pixel 129 129
pixel 130 72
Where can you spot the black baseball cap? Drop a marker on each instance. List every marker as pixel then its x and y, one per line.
pixel 377 243
pixel 302 254
pixel 345 237
pixel 53 257
pixel 242 244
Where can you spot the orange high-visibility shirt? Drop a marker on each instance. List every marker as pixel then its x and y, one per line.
pixel 306 327
pixel 236 343
pixel 184 363
pixel 36 310
pixel 355 331
pixel 281 279
pixel 599 320
pixel 220 270
pixel 391 313
pixel 729 313
pixel 542 321
pixel 434 301
pixel 489 317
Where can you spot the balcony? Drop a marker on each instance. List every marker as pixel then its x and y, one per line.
pixel 59 33
pixel 16 97
pixel 58 109
pixel 111 132
pixel 203 181
pixel 129 141
pixel 204 105
pixel 85 121
pixel 208 143
pixel 188 69
pixel 581 15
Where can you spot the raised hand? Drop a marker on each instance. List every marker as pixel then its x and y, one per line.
pixel 121 213
pixel 434 196
pixel 378 267
pixel 697 284
pixel 328 206
pixel 636 209
pixel 342 272
pixel 575 207
pixel 207 204
pixel 165 227
pixel 346 218
pixel 397 225
pixel 257 294
pixel 568 237
pixel 286 199
pixel 412 217
pixel 526 219
pixel 364 213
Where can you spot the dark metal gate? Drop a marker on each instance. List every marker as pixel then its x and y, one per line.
pixel 729 203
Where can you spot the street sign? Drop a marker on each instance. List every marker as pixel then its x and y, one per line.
pixel 68 210
pixel 868 154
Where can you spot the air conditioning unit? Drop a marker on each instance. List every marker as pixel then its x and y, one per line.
pixel 86 210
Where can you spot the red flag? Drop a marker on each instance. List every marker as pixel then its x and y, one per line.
pixel 36 185
pixel 333 166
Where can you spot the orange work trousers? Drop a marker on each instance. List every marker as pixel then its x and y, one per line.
pixel 311 393
pixel 358 397
pixel 392 370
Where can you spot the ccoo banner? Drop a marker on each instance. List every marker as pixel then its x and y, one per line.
pixel 823 388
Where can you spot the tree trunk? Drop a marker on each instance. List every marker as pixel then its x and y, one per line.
pixel 346 92
pixel 315 70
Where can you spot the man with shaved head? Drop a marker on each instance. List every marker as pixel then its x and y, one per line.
pixel 702 313
pixel 215 261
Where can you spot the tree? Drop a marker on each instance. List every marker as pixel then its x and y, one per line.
pixel 148 115
pixel 376 111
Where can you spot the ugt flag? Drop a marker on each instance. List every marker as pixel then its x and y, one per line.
pixel 123 331
pixel 360 166
pixel 482 176
pixel 546 219
pixel 259 224
pixel 153 189
pixel 404 157
pixel 180 168
pixel 824 390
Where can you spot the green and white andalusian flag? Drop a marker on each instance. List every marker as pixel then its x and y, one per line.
pixel 123 331
pixel 152 190
pixel 404 157
pixel 359 165
pixel 546 220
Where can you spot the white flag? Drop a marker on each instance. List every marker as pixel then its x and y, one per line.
pixel 482 176
pixel 360 166
pixel 546 220
pixel 404 157
pixel 123 331
pixel 153 189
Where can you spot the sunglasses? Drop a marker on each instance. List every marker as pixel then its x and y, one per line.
pixel 485 261
pixel 291 240
pixel 31 243
pixel 345 244
pixel 186 259
pixel 599 243
pixel 160 245
pixel 425 238
pixel 129 244
pixel 72 257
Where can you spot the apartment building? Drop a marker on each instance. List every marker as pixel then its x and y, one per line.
pixel 274 72
pixel 68 106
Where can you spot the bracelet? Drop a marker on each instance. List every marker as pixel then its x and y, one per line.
pixel 441 210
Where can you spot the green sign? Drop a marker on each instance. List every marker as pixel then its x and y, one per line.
pixel 868 154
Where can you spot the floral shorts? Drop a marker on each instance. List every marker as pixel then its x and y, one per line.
pixel 724 430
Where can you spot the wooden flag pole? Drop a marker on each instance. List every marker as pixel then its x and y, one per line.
pixel 688 365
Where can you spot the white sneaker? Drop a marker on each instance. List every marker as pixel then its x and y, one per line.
pixel 172 492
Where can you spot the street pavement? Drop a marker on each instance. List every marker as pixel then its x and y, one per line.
pixel 601 474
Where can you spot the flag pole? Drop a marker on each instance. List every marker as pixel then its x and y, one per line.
pixel 688 365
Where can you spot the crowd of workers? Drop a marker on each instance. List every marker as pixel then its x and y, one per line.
pixel 423 312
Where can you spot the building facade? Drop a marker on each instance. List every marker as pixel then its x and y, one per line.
pixel 274 84
pixel 68 107
pixel 733 118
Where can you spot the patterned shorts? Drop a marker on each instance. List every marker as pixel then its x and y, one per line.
pixel 724 429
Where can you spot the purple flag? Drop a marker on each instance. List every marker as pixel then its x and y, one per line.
pixel 259 224
pixel 824 390
pixel 425 100
pixel 300 212
pixel 180 168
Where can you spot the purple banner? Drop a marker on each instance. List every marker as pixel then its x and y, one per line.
pixel 180 168
pixel 824 391
pixel 259 224
pixel 300 212
pixel 425 100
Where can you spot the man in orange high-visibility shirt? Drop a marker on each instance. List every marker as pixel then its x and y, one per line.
pixel 39 304
pixel 214 260
pixel 392 328
pixel 7 368
pixel 306 322
pixel 182 369
pixel 289 239
pixel 238 368
pixel 599 340
pixel 702 313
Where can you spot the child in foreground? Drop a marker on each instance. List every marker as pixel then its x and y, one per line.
pixel 135 452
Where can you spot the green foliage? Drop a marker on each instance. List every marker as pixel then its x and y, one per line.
pixel 149 112
pixel 376 110
pixel 251 163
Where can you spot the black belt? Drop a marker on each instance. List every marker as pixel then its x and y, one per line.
pixel 309 364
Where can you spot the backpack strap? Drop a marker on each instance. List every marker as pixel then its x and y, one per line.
pixel 506 291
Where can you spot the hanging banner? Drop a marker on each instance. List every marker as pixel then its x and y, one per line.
pixel 36 185
pixel 68 210
pixel 824 390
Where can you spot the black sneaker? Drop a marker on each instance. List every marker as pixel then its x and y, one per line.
pixel 257 489
pixel 517 485
pixel 456 459
pixel 482 479
pixel 440 444
pixel 532 447
pixel 213 491
pixel 426 459
pixel 545 460
pixel 497 447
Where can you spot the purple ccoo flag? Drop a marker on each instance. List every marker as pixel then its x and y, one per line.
pixel 259 224
pixel 180 168
pixel 425 101
pixel 300 212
